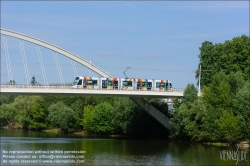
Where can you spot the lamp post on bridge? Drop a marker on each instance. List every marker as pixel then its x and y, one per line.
pixel 199 88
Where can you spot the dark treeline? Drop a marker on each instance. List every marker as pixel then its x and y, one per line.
pixel 223 111
pixel 103 115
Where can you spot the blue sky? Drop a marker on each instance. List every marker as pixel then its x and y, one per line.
pixel 158 40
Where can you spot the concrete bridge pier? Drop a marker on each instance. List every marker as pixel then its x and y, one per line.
pixel 152 111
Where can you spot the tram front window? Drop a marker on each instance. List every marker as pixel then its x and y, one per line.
pixel 79 82
pixel 75 81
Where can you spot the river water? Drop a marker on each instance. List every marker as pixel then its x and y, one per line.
pixel 38 148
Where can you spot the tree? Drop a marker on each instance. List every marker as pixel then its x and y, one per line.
pixel 9 115
pixel 99 118
pixel 33 82
pixel 241 108
pixel 218 94
pixel 159 104
pixel 183 116
pixel 190 95
pixel 230 56
pixel 61 116
pixel 31 112
pixel 78 107
pixel 38 113
pixel 11 82
pixel 229 127
pixel 124 111
pixel 7 99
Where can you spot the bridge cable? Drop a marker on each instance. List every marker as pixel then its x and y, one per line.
pixel 7 58
pixel 7 64
pixel 59 68
pixel 74 67
pixel 42 65
pixel 90 70
pixel 24 62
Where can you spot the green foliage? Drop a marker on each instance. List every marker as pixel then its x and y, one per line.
pixel 190 95
pixel 99 118
pixel 105 115
pixel 179 121
pixel 31 112
pixel 222 114
pixel 230 56
pixel 11 82
pixel 7 99
pixel 241 108
pixel 33 82
pixel 78 107
pixel 229 127
pixel 61 116
pixel 88 120
pixel 184 120
pixel 159 104
pixel 124 117
pixel 218 92
pixel 124 111
pixel 8 115
pixel 38 114
pixel 26 111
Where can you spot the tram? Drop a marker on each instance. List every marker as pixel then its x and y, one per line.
pixel 130 84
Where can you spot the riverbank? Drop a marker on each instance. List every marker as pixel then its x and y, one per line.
pixel 242 144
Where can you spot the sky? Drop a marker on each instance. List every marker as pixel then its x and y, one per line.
pixel 156 39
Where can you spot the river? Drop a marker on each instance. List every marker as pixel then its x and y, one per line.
pixel 39 148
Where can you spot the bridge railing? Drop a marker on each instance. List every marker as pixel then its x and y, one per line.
pixel 181 90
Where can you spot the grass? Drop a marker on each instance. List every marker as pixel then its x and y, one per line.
pixel 216 143
pixel 52 131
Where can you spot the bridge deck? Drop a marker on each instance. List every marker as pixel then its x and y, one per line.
pixel 64 90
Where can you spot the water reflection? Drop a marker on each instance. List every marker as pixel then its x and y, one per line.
pixel 104 151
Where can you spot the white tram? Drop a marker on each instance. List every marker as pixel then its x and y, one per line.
pixel 85 82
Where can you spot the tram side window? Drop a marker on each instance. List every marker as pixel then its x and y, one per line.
pixel 158 84
pixel 116 83
pixel 94 82
pixel 144 84
pixel 138 85
pixel 150 84
pixel 127 83
pixel 89 82
pixel 79 82
pixel 163 85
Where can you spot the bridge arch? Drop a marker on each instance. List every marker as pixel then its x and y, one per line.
pixel 56 49
pixel 151 110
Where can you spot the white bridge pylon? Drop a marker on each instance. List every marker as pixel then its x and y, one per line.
pixel 56 49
